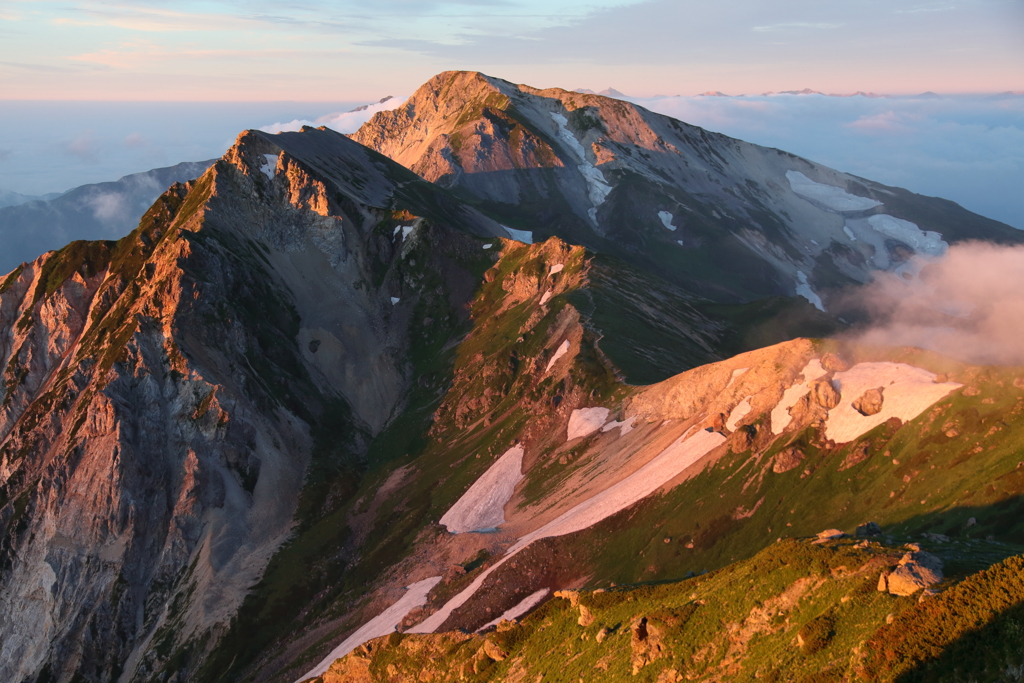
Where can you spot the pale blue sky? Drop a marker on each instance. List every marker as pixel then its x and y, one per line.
pixel 347 50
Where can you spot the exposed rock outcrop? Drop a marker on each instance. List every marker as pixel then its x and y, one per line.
pixel 870 402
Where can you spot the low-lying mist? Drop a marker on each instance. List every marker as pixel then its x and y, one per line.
pixel 968 305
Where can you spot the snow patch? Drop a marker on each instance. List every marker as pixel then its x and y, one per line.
pixel 524 606
pixel 849 233
pixel 381 625
pixel 482 506
pixel 803 289
pixel 666 219
pixel 907 391
pixel 524 236
pixel 829 196
pixel 737 414
pixel 924 242
pixel 625 426
pixel 269 165
pixel 735 373
pixel 598 187
pixel 557 268
pixel 488 246
pixel 586 421
pixel 394 300
pixel 398 229
pixel 780 413
pixel 545 298
pixel 561 351
pixel 683 452
pixel 679 242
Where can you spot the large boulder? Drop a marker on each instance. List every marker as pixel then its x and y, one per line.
pixel 868 529
pixel 870 402
pixel 916 570
pixel 824 394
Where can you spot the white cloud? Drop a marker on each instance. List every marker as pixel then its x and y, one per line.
pixel 343 122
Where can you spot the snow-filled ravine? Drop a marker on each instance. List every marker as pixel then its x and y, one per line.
pixel 482 506
pixel 597 187
pixel 524 606
pixel 269 166
pixel 381 625
pixel 681 454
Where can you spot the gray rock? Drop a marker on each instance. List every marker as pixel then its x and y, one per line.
pixel 916 571
pixel 868 529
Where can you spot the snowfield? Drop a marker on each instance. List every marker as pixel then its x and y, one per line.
pixel 625 426
pixel 906 393
pixel 586 421
pixel 780 413
pixel 545 298
pixel 666 219
pixel 381 625
pixel 482 506
pixel 684 451
pixel 828 196
pixel 666 466
pixel 557 268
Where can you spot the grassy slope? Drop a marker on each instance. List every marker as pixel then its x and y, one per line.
pixel 793 612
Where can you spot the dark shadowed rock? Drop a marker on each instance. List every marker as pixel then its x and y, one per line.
pixel 868 529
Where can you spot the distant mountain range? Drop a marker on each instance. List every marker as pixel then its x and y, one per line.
pixel 31 225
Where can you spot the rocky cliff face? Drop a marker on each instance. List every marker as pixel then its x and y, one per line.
pixel 163 394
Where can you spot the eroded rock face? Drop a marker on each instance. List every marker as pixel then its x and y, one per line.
pixel 161 395
pixel 645 644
